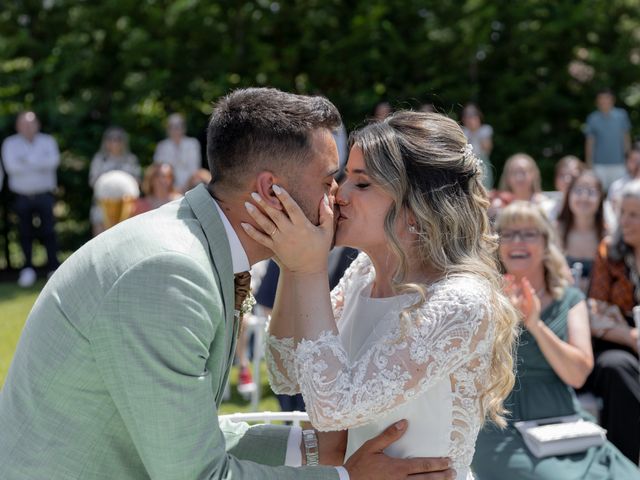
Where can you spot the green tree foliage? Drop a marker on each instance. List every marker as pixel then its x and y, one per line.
pixel 533 66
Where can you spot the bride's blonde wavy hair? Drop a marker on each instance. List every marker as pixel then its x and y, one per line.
pixel 419 159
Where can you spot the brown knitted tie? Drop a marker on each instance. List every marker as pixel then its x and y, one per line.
pixel 242 286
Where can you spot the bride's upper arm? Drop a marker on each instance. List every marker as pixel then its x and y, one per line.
pixel 453 323
pixel 359 269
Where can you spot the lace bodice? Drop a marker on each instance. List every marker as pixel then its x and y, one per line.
pixel 446 342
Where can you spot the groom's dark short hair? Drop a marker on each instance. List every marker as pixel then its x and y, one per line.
pixel 256 128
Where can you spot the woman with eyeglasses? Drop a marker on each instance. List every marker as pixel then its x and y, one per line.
pixel 581 225
pixel 554 356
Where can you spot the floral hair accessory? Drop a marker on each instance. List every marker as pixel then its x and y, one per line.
pixel 467 154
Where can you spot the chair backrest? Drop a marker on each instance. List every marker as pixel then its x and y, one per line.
pixel 268 417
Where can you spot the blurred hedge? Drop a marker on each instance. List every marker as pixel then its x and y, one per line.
pixel 533 66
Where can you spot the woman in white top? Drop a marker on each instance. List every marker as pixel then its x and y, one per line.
pixel 418 327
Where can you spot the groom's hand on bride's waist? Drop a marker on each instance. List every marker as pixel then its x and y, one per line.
pixel 370 462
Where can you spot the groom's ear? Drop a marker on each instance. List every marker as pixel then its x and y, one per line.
pixel 264 186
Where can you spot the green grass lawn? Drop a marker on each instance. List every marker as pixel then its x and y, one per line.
pixel 15 304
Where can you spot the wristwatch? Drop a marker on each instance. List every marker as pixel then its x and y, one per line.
pixel 310 446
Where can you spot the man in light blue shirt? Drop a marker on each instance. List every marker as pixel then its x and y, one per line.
pixel 607 139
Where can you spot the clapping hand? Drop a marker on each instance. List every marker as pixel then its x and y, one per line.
pixel 524 298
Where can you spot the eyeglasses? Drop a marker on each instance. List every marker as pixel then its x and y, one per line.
pixel 526 236
pixel 589 192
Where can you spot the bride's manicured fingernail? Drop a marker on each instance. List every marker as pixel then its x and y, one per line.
pixel 277 190
pixel 256 197
pixel 246 226
pixel 249 207
pixel 326 200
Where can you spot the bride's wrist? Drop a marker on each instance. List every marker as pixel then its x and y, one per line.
pixel 308 274
pixel 305 271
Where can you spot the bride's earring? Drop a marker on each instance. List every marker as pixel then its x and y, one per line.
pixel 413 229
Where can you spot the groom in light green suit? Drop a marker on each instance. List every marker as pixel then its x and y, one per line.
pixel 123 359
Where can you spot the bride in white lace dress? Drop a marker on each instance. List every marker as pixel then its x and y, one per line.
pixel 418 327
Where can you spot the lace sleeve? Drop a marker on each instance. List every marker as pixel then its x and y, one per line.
pixel 451 330
pixel 279 352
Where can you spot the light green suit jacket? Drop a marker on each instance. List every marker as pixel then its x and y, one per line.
pixel 124 358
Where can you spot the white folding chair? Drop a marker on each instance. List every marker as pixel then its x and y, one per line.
pixel 268 417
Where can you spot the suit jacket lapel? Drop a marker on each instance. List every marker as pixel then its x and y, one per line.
pixel 201 203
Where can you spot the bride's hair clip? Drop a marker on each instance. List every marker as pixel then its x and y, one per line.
pixel 467 154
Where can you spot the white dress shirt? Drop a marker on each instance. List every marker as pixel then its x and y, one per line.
pixel 31 166
pixel 184 157
pixel 240 263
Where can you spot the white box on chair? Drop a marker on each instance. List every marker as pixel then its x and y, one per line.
pixel 560 435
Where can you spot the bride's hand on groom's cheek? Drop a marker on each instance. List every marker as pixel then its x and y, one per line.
pixel 299 245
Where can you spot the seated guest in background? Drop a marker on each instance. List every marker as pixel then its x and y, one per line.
pixel 114 154
pixel 157 187
pixel 480 136
pixel 581 225
pixel 554 356
pixel 615 280
pixel 521 178
pixel 181 152
pixel 567 168
pixel 31 160
pixel 612 204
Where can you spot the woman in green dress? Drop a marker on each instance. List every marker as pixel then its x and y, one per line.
pixel 554 356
